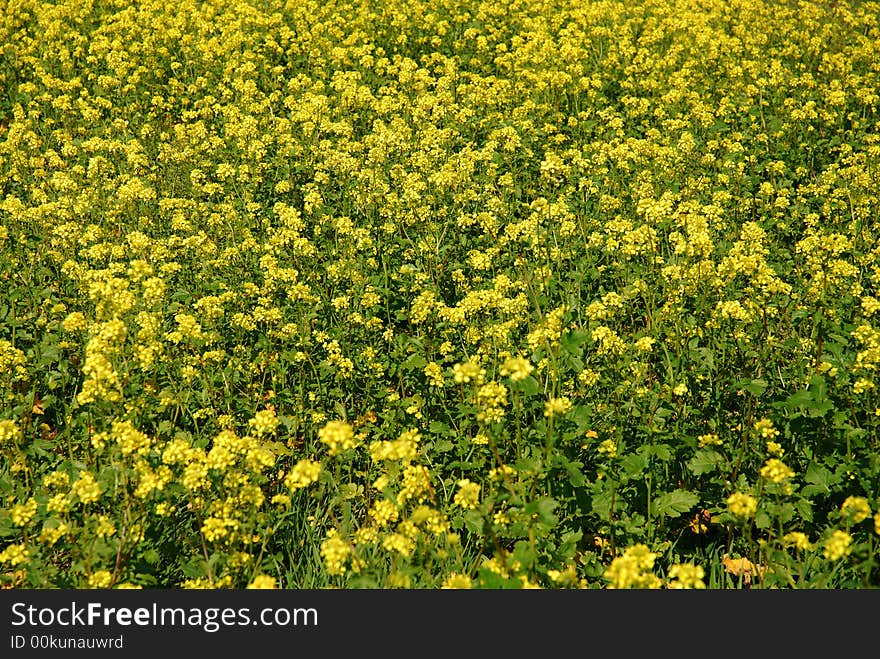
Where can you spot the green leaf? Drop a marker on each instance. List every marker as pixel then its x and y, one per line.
pixel 524 553
pixel 529 386
pixel 490 580
pixel 582 416
pixel 662 452
pixel 473 520
pixel 634 464
pixel 413 362
pixel 703 462
pixel 573 342
pixel 601 505
pixel 152 556
pixel 544 509
pixel 673 504
pixel 349 491
pixel 756 387
pixel 440 428
pixel 804 509
pixel 569 541
pixel 811 402
pixel 762 520
pixel 443 445
pixel 820 477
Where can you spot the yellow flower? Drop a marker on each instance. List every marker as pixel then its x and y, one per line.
pixel 304 473
pixel 645 344
pixel 399 543
pixel 384 512
pixel 837 545
pixel 281 500
pixel 129 438
pixel 557 406
pixel 87 488
pixel 856 509
pixel 264 422
pixel 633 569
pixel 742 505
pixel 335 552
pixel 14 555
pixel 709 439
pixel 75 322
pixel 491 397
pixel 776 471
pixel 8 431
pixel 22 513
pixel 566 577
pixel 338 436
pixel 100 579
pixel 457 580
pixel 481 439
pixel 104 527
pixel 214 528
pixel 434 373
pixel 263 582
pixel 608 448
pixel 52 534
pixel 797 540
pixel 765 428
pixel 467 372
pixel 686 576
pixel 468 495
pixel 399 580
pixel 517 368
pixel 56 479
pixel 404 447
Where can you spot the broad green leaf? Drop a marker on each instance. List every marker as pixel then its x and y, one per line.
pixel 529 386
pixel 763 520
pixel 662 452
pixel 673 504
pixel 820 477
pixel 634 464
pixel 704 461
pixel 575 475
pixel 473 521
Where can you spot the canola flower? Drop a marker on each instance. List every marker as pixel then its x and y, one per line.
pixel 855 508
pixel 338 436
pixel 468 494
pixel 14 554
pixel 742 505
pixel 837 545
pixel 263 582
pixel 633 569
pixel 304 473
pixel 685 577
pixel 22 513
pixel 776 471
pixel 457 581
pixel 9 431
pixel 765 429
pixel 388 247
pixel 86 488
pixel 335 553
pixel 798 540
pixel 557 406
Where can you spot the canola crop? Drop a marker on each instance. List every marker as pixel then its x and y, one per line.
pixel 448 294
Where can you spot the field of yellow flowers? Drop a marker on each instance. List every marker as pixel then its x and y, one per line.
pixel 439 294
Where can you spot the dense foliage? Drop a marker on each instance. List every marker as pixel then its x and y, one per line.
pixel 439 293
